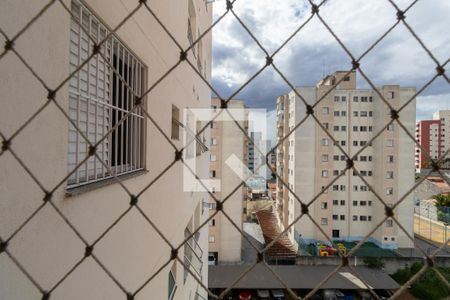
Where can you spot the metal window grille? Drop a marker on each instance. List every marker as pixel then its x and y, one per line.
pixel 99 98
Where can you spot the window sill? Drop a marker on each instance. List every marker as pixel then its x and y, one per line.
pixel 74 191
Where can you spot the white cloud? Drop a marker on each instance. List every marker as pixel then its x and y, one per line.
pixel 398 59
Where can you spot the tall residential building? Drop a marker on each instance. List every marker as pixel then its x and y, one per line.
pixel 228 146
pixel 309 161
pixel 428 135
pixel 431 135
pixel 103 218
pixel 256 155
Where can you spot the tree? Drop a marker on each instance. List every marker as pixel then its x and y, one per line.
pixel 442 200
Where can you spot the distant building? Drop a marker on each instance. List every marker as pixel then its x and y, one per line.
pixel 257 155
pixel 433 140
pixel 308 161
pixel 227 140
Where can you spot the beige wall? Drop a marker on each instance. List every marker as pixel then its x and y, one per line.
pixel 230 141
pixel 46 247
pixel 311 172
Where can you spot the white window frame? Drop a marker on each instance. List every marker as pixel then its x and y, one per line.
pixel 98 99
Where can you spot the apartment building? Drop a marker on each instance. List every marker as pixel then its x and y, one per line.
pixel 431 135
pixel 309 160
pixel 99 218
pixel 228 158
pixel 256 155
pixel 428 135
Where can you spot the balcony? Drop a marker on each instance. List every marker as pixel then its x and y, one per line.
pixel 193 254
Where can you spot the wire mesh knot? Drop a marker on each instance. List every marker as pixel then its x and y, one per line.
pixel 400 15
pixel 259 257
pixel 173 254
pixel 137 101
pixel 92 150
pixel 3 246
pixel 435 165
pixel 130 296
pixel 355 65
pixel 229 5
pixel 314 9
pixel 183 55
pixel 440 70
pixel 309 110
pixel 51 95
pixel 48 196
pixel 429 261
pixel 45 295
pixel 305 209
pixel 88 251
pixel 142 2
pixel 178 155
pixel 349 163
pixel 133 200
pixel 344 261
pixel 388 211
pixel 96 49
pixel 6 144
pixel 223 104
pixel 394 114
pixel 9 45
pixel 269 60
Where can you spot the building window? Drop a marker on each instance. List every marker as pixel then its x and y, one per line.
pixel 335 233
pixel 336 128
pixel 389 223
pixel 335 172
pixel 344 99
pixel 389 191
pixel 212 239
pixel 355 98
pixel 101 93
pixel 355 188
pixel 335 217
pixel 342 217
pixel 390 127
pixel 343 113
pixel 213 141
pixel 342 202
pixel 324 221
pixel 212 173
pixel 389 175
pixel 336 113
pixel 335 157
pixel 325 142
pixel 362 218
pixel 363 203
pixel 212 157
pixel 369 203
pixel 391 95
pixel 335 202
pixel 324 173
pixel 172 282
pixel 343 128
pixel 363 113
pixel 390 143
pixel 336 98
pixel 390 159
pixel 325 158
pixel 324 205
pixel 325 110
pixel 355 128
pixel 369 218
pixel 175 133
pixel 355 203
pixel 212 223
pixel 355 113
pixel 355 218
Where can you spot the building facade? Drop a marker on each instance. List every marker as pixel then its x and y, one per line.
pixel 102 90
pixel 256 155
pixel 228 146
pixel 428 135
pixel 433 140
pixel 309 161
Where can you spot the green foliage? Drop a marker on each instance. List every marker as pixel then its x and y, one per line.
pixel 373 262
pixel 428 286
pixel 442 200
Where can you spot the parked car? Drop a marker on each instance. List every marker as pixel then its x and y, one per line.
pixel 278 294
pixel 245 295
pixel 263 294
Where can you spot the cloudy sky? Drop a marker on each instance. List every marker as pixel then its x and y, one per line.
pixel 313 52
